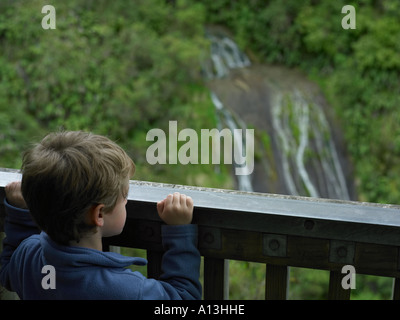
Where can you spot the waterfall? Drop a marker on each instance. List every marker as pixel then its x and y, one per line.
pixel 304 140
pixel 226 55
pixel 224 116
pixel 304 150
pixel 304 155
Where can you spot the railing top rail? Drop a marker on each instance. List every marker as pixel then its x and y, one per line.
pixel 304 216
pixel 274 204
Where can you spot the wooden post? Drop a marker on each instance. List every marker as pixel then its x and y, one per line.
pixel 276 282
pixel 154 259
pixel 215 279
pixel 336 291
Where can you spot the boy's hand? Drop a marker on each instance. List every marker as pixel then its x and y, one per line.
pixel 176 209
pixel 14 195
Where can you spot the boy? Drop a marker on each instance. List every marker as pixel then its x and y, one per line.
pixel 75 185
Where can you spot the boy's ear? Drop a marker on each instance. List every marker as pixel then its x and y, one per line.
pixel 96 215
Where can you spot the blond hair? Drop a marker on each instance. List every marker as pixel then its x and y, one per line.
pixel 66 174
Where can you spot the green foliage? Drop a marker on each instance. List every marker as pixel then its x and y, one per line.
pixel 116 77
pixel 116 68
pixel 359 70
pixel 246 280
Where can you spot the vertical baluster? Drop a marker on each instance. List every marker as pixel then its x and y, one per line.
pixel 336 291
pixel 215 279
pixel 154 259
pixel 276 282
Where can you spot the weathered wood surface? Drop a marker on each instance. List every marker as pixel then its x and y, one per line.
pixel 319 218
pixel 279 231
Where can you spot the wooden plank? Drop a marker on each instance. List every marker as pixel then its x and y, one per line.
pixel 376 259
pixel 299 216
pixel 276 282
pixel 283 215
pixel 312 208
pixel 336 291
pixel 214 279
pixel 308 252
pixel 305 252
pixel 138 233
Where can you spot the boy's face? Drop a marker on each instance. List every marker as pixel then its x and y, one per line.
pixel 114 221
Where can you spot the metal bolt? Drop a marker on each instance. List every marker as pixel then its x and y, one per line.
pixel 341 252
pixel 309 224
pixel 274 245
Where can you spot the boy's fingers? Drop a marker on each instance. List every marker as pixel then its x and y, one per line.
pixel 189 201
pixel 168 199
pixel 14 194
pixel 13 187
pixel 160 206
pixel 183 200
pixel 176 197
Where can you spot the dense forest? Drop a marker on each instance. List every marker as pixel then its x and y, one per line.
pixel 120 68
pixel 115 68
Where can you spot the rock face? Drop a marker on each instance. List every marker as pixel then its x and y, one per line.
pixel 299 149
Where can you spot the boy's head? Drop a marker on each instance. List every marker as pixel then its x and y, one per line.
pixel 69 172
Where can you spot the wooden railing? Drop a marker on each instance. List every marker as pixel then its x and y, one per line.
pixel 279 231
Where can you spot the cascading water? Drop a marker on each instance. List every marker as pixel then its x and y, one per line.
pixel 224 116
pixel 305 156
pixel 305 140
pixel 225 55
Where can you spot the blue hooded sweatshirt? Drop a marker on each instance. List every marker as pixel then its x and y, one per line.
pixel 83 273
